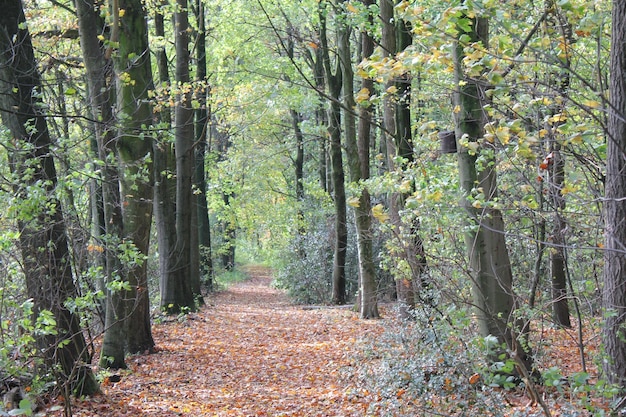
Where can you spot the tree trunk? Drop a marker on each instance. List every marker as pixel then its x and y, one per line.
pixel 164 181
pixel 407 243
pixel 321 118
pixel 227 224
pixel 357 152
pixel 43 241
pixel 484 239
pixel 614 291
pixel 558 26
pixel 560 307
pixel 98 69
pixel 296 119
pixel 182 297
pixel 230 235
pixel 413 245
pixel 202 129
pixel 134 148
pixel 333 80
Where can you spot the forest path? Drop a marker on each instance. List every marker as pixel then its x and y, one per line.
pixel 249 353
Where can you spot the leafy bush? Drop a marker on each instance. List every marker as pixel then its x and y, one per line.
pixel 426 366
pixel 307 274
pixel 436 365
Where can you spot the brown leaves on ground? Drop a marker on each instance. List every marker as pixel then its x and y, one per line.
pixel 251 353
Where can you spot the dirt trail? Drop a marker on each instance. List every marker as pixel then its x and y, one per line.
pixel 249 353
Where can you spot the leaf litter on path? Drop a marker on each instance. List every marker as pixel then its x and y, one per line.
pixel 249 353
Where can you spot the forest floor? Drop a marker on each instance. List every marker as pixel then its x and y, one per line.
pixel 250 352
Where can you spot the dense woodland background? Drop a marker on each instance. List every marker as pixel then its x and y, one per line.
pixel 463 158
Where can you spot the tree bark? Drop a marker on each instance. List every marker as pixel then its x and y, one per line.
pixel 202 129
pixel 560 307
pixel 296 119
pixel 407 244
pixel 560 81
pixel 357 151
pixel 229 235
pixel 334 83
pixel 98 69
pixel 164 180
pixel 614 291
pixel 43 241
pixel 185 273
pixel 133 74
pixel 413 246
pixel 492 278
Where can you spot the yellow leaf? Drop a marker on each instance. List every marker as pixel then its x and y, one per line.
pixel 558 118
pixel 351 8
pixel 378 211
pixel 473 147
pixel 354 202
pixel 592 103
pixel 392 90
pixel 569 188
pixel 122 12
pixel 405 187
pixel 577 139
pixel 402 6
pixel 436 196
pixel 457 109
pixel 504 134
pixel 362 95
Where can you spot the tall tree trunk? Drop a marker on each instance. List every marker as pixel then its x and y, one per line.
pixel 492 278
pixel 202 129
pixel 414 251
pixel 558 27
pixel 296 119
pixel 134 147
pixel 228 224
pixel 298 161
pixel 98 231
pixel 321 118
pixel 358 151
pixel 230 236
pixel 164 181
pixel 334 83
pixel 396 117
pixel 614 291
pixel 43 241
pixel 184 272
pixel 560 307
pixel 98 69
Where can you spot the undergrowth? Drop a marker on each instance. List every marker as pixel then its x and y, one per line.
pixel 225 279
pixel 435 365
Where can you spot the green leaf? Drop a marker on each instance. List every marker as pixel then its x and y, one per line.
pixel 465 24
pixel 25 409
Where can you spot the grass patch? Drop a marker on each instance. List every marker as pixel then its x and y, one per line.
pixel 225 279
